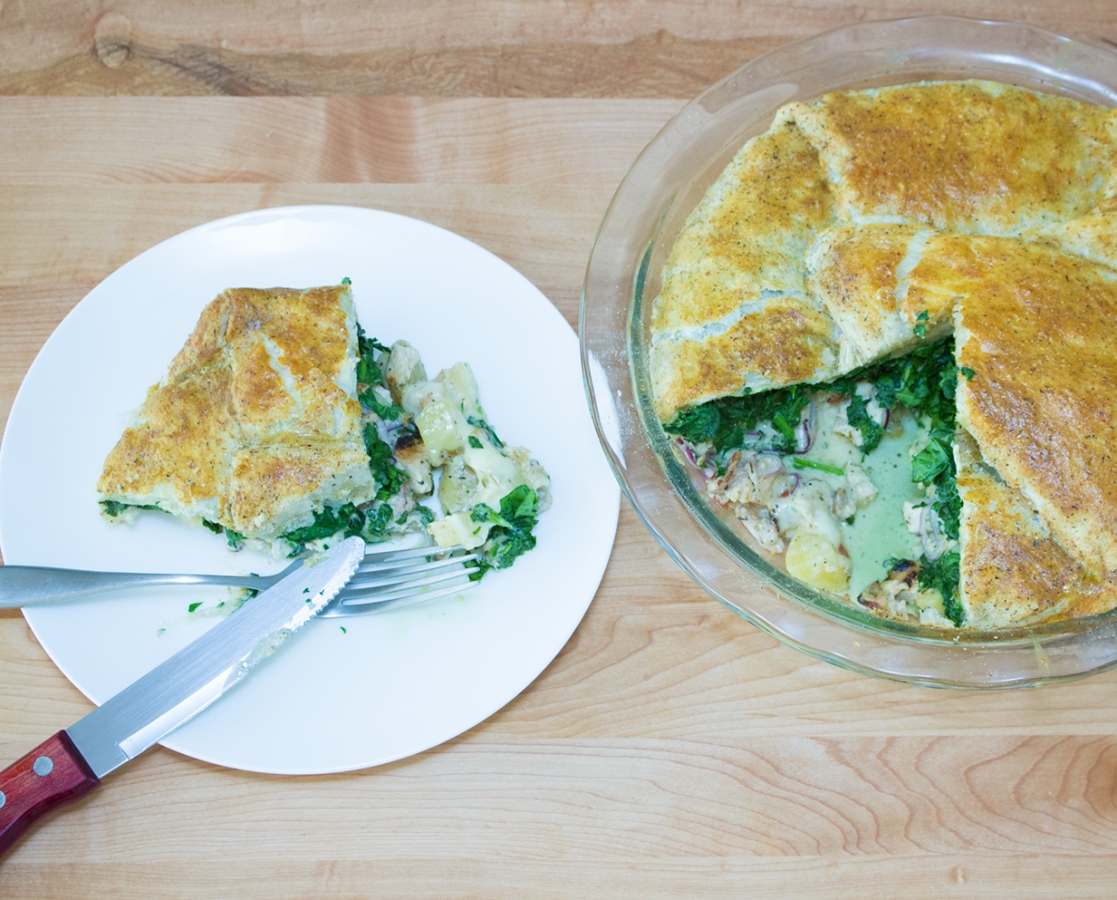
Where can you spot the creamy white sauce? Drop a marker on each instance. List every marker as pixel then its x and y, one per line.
pixel 879 532
pixel 858 507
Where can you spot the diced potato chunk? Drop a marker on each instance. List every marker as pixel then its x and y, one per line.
pixel 459 529
pixel 458 488
pixel 532 474
pixel 404 367
pixel 931 599
pixel 462 388
pixel 815 561
pixel 437 426
pixel 438 419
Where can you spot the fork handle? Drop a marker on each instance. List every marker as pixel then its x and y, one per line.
pixel 33 585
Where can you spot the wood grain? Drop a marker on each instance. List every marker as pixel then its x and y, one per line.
pixel 670 750
pixel 766 878
pixel 626 800
pixel 324 140
pixel 532 48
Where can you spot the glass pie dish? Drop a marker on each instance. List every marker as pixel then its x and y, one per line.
pixel 663 185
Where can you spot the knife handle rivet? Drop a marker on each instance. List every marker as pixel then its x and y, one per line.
pixel 3 799
pixel 43 766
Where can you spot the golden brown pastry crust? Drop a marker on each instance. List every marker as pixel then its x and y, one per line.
pixel 1038 328
pixel 967 156
pixel 868 280
pixel 256 423
pixel 1013 572
pixel 919 204
pixel 736 273
pixel 827 212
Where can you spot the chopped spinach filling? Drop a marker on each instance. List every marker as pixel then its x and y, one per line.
pixel 943 575
pixel 372 523
pixel 725 421
pixel 368 370
pixel 389 479
pixel 234 539
pixel 923 382
pixel 424 514
pixel 484 426
pixel 347 520
pixel 328 522
pixel 378 519
pixel 114 507
pixel 389 412
pixel 817 466
pixel 370 375
pixel 510 536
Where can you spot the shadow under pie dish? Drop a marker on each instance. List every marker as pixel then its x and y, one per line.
pixel 806 224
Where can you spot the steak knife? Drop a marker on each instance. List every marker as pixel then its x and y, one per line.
pixel 72 762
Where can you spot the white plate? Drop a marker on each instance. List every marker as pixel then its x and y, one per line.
pixel 390 685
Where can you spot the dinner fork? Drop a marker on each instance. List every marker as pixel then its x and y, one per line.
pixel 386 579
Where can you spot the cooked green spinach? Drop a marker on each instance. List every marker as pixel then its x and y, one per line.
pixel 484 426
pixel 370 375
pixel 368 370
pixel 725 421
pixel 114 507
pixel 944 575
pixel 923 382
pixel 510 536
pixel 389 478
pixel 328 521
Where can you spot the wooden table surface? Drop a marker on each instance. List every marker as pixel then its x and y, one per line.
pixel 670 750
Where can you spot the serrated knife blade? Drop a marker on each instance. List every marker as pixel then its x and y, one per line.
pixel 73 762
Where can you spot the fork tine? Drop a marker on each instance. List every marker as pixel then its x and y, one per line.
pixel 369 594
pixel 389 579
pixel 398 575
pixel 443 585
pixel 387 556
pixel 346 607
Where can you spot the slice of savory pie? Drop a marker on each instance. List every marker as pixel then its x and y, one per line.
pixel 281 423
pixel 256 425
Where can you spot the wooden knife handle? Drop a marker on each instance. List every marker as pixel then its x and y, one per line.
pixel 51 775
